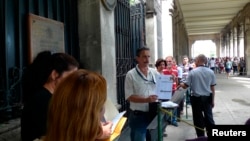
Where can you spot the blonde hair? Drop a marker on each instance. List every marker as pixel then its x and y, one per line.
pixel 75 108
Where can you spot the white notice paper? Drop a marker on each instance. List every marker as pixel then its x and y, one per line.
pixel 116 120
pixel 164 86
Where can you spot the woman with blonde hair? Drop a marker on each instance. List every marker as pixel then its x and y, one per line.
pixel 77 107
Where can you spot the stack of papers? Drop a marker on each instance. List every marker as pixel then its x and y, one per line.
pixel 116 120
pixel 118 123
pixel 169 104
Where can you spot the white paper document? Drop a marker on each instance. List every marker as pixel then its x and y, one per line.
pixel 169 104
pixel 164 86
pixel 116 120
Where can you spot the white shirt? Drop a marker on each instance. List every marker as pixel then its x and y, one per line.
pixel 138 84
pixel 212 63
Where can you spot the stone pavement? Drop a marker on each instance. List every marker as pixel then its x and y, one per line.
pixel 232 104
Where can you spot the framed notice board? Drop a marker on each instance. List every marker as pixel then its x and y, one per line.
pixel 44 34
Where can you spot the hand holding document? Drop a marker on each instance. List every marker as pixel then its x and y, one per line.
pixel 116 120
pixel 164 86
pixel 118 123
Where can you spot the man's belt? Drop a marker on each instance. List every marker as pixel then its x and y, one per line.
pixel 137 112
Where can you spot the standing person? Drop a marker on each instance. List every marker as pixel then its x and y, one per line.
pixel 221 66
pixel 186 67
pixel 242 65
pixel 171 69
pixel 179 76
pixel 179 70
pixel 140 88
pixel 212 63
pixel 39 82
pixel 202 82
pixel 228 67
pixel 160 65
pixel 235 65
pixel 77 107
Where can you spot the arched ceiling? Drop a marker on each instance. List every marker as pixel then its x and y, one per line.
pixel 204 17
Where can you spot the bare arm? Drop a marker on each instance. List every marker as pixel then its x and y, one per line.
pixel 140 99
pixel 183 85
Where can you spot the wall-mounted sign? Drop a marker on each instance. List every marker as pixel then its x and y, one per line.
pixel 44 34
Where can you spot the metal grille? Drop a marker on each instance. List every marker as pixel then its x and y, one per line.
pixel 130 29
pixel 123 48
pixel 14 42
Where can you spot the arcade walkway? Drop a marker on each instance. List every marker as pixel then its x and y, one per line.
pixel 232 104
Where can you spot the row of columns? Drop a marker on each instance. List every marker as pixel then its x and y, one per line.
pixel 180 37
pixel 232 42
pixel 235 39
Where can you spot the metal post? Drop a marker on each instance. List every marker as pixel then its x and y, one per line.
pixel 186 104
pixel 159 122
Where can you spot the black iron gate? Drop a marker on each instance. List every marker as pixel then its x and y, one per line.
pixel 130 29
pixel 14 44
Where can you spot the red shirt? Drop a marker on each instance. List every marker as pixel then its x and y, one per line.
pixel 172 71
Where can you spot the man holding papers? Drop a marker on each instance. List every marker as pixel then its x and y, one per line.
pixel 140 87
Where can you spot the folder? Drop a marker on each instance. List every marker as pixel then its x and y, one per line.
pixel 118 120
pixel 118 129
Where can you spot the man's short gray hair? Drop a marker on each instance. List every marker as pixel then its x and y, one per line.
pixel 202 58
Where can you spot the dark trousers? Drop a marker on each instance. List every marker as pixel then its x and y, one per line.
pixel 202 113
pixel 138 122
pixel 180 108
pixel 235 69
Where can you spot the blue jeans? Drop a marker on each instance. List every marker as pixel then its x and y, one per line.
pixel 174 117
pixel 138 124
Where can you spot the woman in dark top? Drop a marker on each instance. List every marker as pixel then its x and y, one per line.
pixel 39 82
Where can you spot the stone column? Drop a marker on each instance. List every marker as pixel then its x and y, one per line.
pixel 190 48
pixel 154 30
pixel 241 40
pixel 227 45
pixel 235 42
pixel 223 46
pixel 247 45
pixel 218 47
pixel 238 40
pixel 97 41
pixel 231 43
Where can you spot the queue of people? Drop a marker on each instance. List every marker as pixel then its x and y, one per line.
pixel 228 65
pixel 64 102
pixel 200 82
